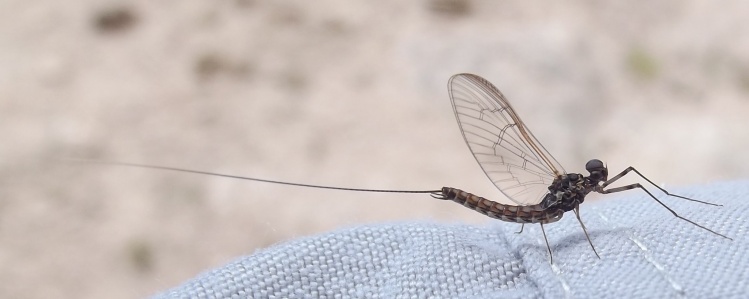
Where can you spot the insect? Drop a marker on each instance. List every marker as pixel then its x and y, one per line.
pixel 513 159
pixel 521 168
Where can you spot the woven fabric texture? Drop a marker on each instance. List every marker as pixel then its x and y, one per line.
pixel 645 251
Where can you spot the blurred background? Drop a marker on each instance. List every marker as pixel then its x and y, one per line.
pixel 344 93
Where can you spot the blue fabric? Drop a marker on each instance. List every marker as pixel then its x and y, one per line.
pixel 645 253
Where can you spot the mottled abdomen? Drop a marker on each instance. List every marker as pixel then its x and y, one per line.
pixel 509 213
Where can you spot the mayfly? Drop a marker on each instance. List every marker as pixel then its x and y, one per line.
pixel 514 160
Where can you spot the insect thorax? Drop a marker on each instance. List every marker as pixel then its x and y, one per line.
pixel 566 192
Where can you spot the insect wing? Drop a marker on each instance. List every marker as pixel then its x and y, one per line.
pixel 506 150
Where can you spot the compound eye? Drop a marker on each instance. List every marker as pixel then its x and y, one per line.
pixel 594 165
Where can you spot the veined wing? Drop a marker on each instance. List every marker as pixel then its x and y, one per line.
pixel 504 147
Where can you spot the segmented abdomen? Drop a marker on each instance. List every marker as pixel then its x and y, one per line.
pixel 519 214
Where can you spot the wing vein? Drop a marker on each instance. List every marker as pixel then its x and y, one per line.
pixel 508 153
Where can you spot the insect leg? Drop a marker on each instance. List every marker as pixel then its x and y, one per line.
pixel 618 176
pixel 522 225
pixel 551 257
pixel 629 187
pixel 577 214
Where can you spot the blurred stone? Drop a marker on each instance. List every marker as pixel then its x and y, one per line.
pixel 115 19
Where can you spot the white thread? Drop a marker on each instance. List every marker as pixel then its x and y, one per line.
pixel 648 257
pixel 555 270
pixel 565 286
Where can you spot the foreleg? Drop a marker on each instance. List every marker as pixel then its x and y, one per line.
pixel 628 187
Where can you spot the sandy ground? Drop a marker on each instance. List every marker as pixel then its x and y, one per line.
pixel 346 93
